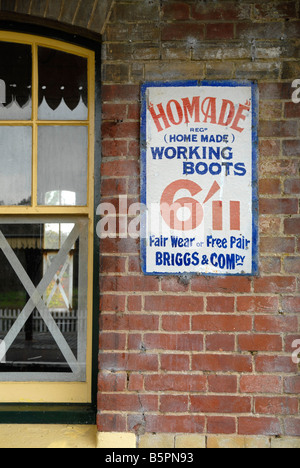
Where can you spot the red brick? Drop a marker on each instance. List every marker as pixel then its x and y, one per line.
pixel 112 303
pixel 221 285
pixel 134 265
pixel 231 11
pixel 180 31
pixel 119 93
pixel 134 303
pixel 176 11
pixel 133 152
pixel 120 168
pixel 175 362
pixel 260 342
pixel 171 284
pixel 172 424
pixel 111 187
pixel 113 111
pixel 292 226
pixel 274 91
pixel 115 382
pixel 129 322
pixel 279 206
pixel 133 111
pixel 220 404
pixel 114 148
pixel 135 341
pixel 274 364
pixel 220 31
pixel 283 128
pixel 291 148
pixel 278 167
pixel 220 342
pixel 133 186
pixel 129 284
pixel 135 382
pixel 292 384
pixel 220 304
pixel 174 342
pixel 118 129
pixel 175 383
pixel 292 186
pixel 292 427
pixel 220 425
pixel 259 426
pixel 290 345
pixel 119 246
pixel 174 403
pixel 257 304
pixel 174 303
pixel 176 323
pixel 222 383
pixel 113 264
pixel 128 362
pixel 270 187
pixel 111 423
pixel 277 245
pixel 222 323
pixel 269 226
pixel 292 111
pixel 275 284
pixel 127 402
pixel 276 405
pixel 291 305
pixel 221 363
pixel 270 265
pixel 266 323
pixel 268 148
pixel 112 341
pixel 260 384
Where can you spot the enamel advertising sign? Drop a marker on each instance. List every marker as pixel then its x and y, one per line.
pixel 199 178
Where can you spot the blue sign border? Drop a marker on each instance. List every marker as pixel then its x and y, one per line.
pixel 255 157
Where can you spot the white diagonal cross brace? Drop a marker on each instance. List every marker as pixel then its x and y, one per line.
pixel 36 295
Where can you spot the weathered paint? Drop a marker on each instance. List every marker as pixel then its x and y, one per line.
pixel 199 151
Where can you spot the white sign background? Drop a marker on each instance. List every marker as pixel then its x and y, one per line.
pixel 229 248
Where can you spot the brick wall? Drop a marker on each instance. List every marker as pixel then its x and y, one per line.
pixel 202 356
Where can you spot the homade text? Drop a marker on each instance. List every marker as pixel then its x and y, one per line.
pixel 225 113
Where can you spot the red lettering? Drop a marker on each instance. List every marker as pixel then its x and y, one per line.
pixel 240 116
pixel 171 114
pixel 157 117
pixel 191 109
pixel 211 110
pixel 227 106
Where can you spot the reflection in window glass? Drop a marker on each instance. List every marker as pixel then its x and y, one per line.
pixel 15 163
pixel 15 81
pixel 43 301
pixel 62 166
pixel 62 86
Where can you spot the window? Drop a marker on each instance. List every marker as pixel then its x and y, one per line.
pixel 47 119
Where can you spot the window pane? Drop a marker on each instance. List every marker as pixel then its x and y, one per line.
pixel 43 301
pixel 15 81
pixel 62 166
pixel 15 161
pixel 62 86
